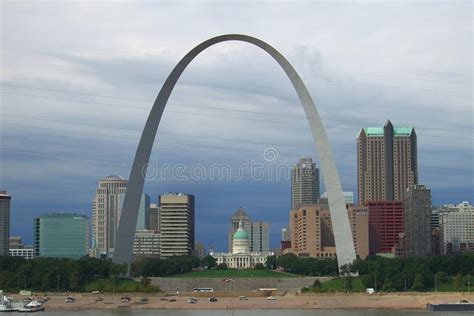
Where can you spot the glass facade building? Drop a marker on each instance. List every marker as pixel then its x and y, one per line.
pixel 62 235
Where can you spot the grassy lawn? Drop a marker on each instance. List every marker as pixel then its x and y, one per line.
pixel 231 273
pixel 122 285
pixel 338 285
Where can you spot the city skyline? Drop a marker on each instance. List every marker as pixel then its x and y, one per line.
pixel 360 95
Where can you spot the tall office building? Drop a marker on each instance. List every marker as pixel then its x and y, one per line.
pixel 105 213
pixel 4 223
pixel 62 235
pixel 106 209
pixel 260 237
pixel 154 217
pixel 177 224
pixel 312 232
pixel 239 216
pixel 417 221
pixel 386 222
pixel 304 183
pixel 386 162
pixel 456 228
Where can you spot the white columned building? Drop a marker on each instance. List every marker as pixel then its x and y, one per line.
pixel 241 257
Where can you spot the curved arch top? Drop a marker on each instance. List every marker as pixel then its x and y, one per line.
pixel 340 221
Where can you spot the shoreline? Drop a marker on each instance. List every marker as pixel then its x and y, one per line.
pixel 389 301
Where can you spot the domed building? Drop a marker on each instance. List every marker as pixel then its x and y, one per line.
pixel 241 257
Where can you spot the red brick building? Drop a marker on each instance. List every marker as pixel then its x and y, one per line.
pixel 386 222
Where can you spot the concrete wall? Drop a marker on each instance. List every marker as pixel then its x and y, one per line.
pixel 170 285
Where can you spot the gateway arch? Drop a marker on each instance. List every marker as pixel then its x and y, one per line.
pixel 128 219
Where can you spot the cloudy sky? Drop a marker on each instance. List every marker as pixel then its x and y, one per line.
pixel 78 80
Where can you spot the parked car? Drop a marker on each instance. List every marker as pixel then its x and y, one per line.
pixel 70 299
pixel 125 299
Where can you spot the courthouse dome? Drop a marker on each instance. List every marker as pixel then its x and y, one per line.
pixel 241 233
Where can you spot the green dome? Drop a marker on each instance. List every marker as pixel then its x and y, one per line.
pixel 241 234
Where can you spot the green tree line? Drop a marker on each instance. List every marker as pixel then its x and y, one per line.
pixel 51 274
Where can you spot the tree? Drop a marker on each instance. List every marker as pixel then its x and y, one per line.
pixel 259 266
pixel 348 283
pixel 208 262
pixel 145 281
pixel 442 277
pixel 222 266
pixel 388 285
pixel 287 261
pixel 117 269
pixel 458 282
pixel 74 280
pixel 418 283
pixel 317 286
pixel 271 262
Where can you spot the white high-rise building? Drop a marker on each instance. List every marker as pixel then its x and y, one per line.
pixel 106 209
pixel 457 229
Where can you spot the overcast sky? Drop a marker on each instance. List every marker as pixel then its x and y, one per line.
pixel 78 80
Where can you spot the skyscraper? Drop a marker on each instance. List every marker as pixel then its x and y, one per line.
pixel 386 162
pixel 417 221
pixel 105 213
pixel 62 235
pixel 106 209
pixel 304 183
pixel 4 223
pixel 260 237
pixel 177 224
pixel 154 217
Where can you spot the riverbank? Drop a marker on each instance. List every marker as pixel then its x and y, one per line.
pixel 289 301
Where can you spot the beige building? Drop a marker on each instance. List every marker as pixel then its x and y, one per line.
pixel 106 214
pixel 146 244
pixel 386 162
pixel 312 232
pixel 176 224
